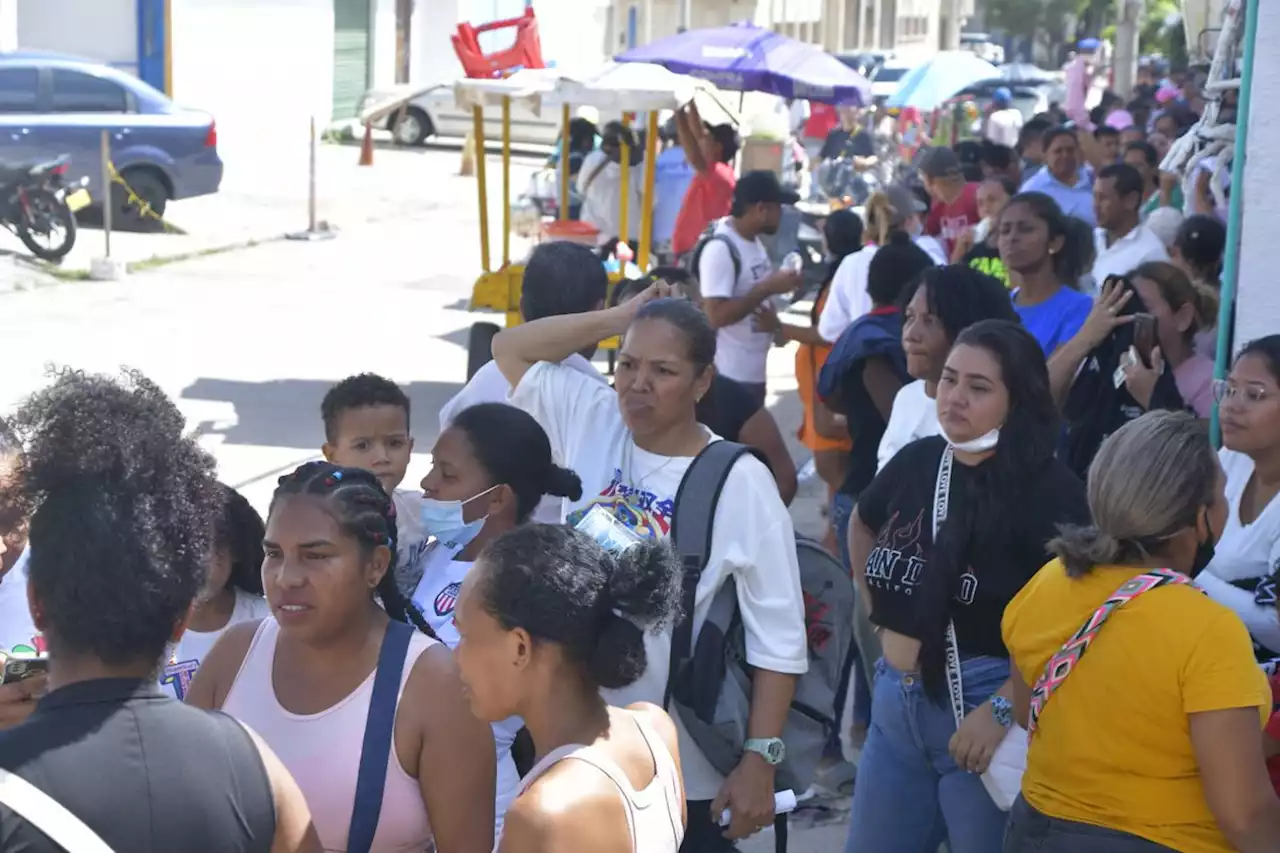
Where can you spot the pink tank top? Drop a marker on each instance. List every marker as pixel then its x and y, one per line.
pixel 322 750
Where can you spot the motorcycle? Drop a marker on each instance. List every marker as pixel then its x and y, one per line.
pixel 39 207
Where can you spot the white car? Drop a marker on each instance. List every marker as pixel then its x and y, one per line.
pixel 436 113
pixel 888 78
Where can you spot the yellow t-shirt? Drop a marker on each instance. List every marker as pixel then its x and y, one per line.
pixel 1113 746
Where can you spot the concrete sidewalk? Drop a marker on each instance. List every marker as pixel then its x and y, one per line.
pixel 264 196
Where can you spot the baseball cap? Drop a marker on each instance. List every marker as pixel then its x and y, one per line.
pixel 1002 96
pixel 904 202
pixel 762 187
pixel 1088 45
pixel 940 162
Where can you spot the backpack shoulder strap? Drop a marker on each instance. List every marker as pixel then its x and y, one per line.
pixel 692 526
pixel 379 728
pixel 48 815
pixel 735 257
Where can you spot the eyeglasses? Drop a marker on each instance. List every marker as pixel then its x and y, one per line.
pixel 1225 389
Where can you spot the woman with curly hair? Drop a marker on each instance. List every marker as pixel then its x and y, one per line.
pixel 121 533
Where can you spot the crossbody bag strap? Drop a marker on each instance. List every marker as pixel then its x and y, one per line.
pixel 1065 659
pixel 48 815
pixel 941 495
pixel 379 731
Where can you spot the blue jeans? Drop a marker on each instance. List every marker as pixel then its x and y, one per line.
pixel 910 795
pixel 841 514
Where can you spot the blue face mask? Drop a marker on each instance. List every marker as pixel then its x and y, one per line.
pixel 443 521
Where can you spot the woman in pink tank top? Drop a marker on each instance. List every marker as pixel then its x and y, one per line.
pixel 548 618
pixel 303 678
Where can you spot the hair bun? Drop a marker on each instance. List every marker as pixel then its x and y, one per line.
pixel 563 483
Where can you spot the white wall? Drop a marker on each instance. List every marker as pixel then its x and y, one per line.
pixel 8 24
pixel 105 30
pixel 261 67
pixel 1258 297
pixel 431 55
pixel 384 43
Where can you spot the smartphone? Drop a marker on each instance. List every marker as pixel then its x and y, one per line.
pixel 20 668
pixel 1144 336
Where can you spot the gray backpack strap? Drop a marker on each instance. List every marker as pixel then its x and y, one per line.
pixel 692 526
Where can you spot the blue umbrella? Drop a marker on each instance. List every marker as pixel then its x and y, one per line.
pixel 747 58
pixel 928 86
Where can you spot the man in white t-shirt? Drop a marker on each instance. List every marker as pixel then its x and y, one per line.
pixel 559 279
pixel 1122 242
pixel 1004 125
pixel 600 185
pixel 736 277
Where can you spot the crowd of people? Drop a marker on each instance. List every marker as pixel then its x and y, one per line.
pixel 1004 378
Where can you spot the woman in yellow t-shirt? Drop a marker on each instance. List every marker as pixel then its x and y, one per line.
pixel 1154 735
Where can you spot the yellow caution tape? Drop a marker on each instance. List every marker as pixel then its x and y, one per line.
pixel 134 200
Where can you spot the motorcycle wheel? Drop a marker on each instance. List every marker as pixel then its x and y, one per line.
pixel 48 217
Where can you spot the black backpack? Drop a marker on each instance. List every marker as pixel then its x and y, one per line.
pixel 710 236
pixel 709 682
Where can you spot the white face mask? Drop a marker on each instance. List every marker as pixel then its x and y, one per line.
pixel 981 444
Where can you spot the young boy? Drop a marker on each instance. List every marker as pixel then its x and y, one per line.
pixel 366 425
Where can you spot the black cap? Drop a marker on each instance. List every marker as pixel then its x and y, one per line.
pixel 940 163
pixel 762 187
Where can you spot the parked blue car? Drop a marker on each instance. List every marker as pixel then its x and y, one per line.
pixel 52 104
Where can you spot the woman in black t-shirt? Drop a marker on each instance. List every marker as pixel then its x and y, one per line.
pixel 1006 496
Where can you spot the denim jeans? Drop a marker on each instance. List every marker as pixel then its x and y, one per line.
pixel 866 644
pixel 1033 832
pixel 910 795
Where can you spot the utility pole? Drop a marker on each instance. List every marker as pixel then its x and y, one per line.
pixel 1128 20
pixel 952 25
pixel 686 15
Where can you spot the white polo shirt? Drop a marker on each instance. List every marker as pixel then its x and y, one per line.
pixel 1134 249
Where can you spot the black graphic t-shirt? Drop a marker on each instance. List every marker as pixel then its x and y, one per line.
pixel 985 257
pixel 898 505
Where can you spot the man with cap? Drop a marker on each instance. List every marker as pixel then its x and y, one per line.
pixel 955 200
pixel 1004 124
pixel 736 277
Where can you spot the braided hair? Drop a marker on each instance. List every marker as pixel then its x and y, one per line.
pixel 365 511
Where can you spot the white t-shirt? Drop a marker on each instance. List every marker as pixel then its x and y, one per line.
pixel 848 298
pixel 1245 553
pixel 602 197
pixel 184 659
pixel 490 386
pixel 754 542
pixel 411 536
pixel 1122 257
pixel 18 634
pixel 1003 127
pixel 741 351
pixel 437 598
pixel 914 416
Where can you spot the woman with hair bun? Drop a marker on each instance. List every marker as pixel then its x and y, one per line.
pixel 547 619
pixel 1141 693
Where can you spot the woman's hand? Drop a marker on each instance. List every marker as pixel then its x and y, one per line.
pixel 18 700
pixel 627 311
pixel 1105 317
pixel 976 740
pixel 964 244
pixel 1140 379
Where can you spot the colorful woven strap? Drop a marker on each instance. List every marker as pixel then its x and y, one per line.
pixel 1062 663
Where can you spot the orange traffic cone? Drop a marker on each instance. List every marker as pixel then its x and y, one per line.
pixel 366 147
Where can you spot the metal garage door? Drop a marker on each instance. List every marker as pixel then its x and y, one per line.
pixel 350 56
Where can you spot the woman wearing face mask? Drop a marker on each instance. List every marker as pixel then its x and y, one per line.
pixel 991 486
pixel 979 246
pixel 1245 571
pixel 1035 245
pixel 937 308
pixel 548 618
pixel 489 470
pixel 1151 740
pixel 632 445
